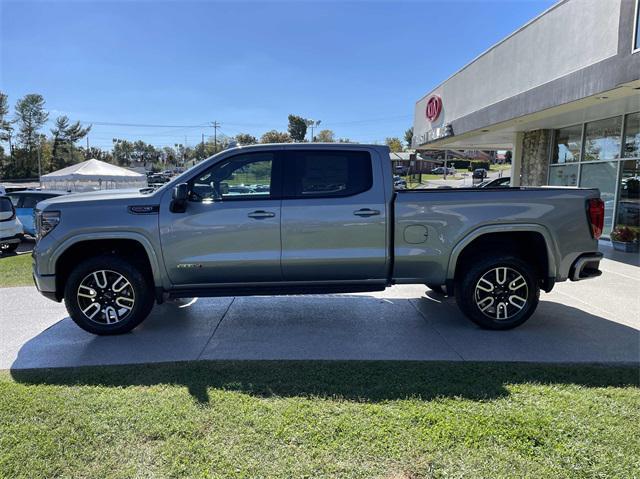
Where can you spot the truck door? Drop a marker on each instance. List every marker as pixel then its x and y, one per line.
pixel 333 216
pixel 230 230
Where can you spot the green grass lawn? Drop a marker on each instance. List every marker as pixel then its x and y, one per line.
pixel 321 419
pixel 15 270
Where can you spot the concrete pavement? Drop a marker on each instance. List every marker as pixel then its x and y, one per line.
pixel 592 321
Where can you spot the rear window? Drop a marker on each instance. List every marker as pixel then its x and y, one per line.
pixel 321 174
pixel 30 201
pixel 5 205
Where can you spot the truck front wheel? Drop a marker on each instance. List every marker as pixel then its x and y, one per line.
pixel 499 292
pixel 108 295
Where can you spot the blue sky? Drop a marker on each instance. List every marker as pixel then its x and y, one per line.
pixel 359 67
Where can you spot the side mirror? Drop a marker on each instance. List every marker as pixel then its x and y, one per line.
pixel 179 198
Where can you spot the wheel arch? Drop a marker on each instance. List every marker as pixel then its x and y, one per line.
pixel 84 246
pixel 542 242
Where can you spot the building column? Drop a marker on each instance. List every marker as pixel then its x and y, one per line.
pixel 516 158
pixel 536 147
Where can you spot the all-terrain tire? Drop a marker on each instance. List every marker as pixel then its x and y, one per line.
pixel 498 292
pixel 112 283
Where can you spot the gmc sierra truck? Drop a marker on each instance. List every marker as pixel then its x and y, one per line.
pixel 310 218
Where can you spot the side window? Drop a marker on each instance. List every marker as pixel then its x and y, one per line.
pixel 240 177
pixel 328 173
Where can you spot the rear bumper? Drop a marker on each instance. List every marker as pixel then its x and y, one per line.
pixel 586 267
pixel 12 239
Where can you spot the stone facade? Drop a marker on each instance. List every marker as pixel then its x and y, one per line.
pixel 536 146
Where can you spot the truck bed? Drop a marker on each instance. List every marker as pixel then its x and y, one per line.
pixel 433 225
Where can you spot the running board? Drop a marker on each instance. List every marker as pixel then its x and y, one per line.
pixel 274 290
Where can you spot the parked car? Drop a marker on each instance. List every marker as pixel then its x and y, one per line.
pixel 479 173
pixel 440 170
pixel 401 170
pixel 320 229
pixel 503 182
pixel 3 191
pixel 26 200
pixel 10 227
pixel 400 184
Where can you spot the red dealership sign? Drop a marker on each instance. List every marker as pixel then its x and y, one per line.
pixel 434 107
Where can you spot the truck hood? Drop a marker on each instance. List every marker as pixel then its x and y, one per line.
pixel 93 196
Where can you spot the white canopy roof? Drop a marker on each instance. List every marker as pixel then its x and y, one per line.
pixel 93 175
pixel 93 170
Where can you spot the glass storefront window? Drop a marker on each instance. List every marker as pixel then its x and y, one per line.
pixel 602 139
pixel 563 175
pixel 632 136
pixel 629 195
pixel 604 177
pixel 567 145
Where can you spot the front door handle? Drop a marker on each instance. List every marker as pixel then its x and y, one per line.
pixel 366 212
pixel 261 214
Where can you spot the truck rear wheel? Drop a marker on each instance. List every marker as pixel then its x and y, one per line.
pixel 108 295
pixel 499 292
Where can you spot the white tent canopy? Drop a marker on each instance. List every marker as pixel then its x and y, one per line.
pixel 93 175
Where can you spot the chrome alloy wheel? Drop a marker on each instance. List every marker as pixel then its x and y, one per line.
pixel 501 293
pixel 105 297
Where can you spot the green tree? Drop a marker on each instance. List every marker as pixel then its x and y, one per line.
pixel 245 139
pixel 408 137
pixel 30 117
pixel 507 156
pixel 325 136
pixel 297 128
pixel 275 136
pixel 5 125
pixel 65 136
pixel 394 144
pixel 122 151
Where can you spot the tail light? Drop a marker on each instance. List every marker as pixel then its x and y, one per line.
pixel 595 211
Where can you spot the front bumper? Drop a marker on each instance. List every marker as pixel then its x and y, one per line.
pixel 586 267
pixel 45 283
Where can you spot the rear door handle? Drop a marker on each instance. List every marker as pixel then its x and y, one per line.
pixel 261 214
pixel 366 212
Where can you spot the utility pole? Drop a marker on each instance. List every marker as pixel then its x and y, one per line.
pixel 312 124
pixel 445 163
pixel 215 126
pixel 87 148
pixel 39 162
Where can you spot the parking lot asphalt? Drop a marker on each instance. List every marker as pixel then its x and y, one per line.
pixel 596 321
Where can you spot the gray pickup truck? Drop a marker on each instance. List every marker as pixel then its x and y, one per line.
pixel 310 218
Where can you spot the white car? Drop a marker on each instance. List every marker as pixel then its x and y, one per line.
pixel 11 230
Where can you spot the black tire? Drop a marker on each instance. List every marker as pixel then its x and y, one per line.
pixel 138 289
pixel 471 296
pixel 437 288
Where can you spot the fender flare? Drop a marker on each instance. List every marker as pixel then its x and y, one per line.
pixel 129 235
pixel 552 248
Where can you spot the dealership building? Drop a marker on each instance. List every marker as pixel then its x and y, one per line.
pixel 562 93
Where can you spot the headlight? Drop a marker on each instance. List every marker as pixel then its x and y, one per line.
pixel 46 221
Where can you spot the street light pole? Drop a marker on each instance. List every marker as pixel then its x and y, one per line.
pixel 312 124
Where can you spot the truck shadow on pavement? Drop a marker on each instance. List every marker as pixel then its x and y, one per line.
pixel 361 381
pixel 359 348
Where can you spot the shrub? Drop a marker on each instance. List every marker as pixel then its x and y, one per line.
pixel 623 234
